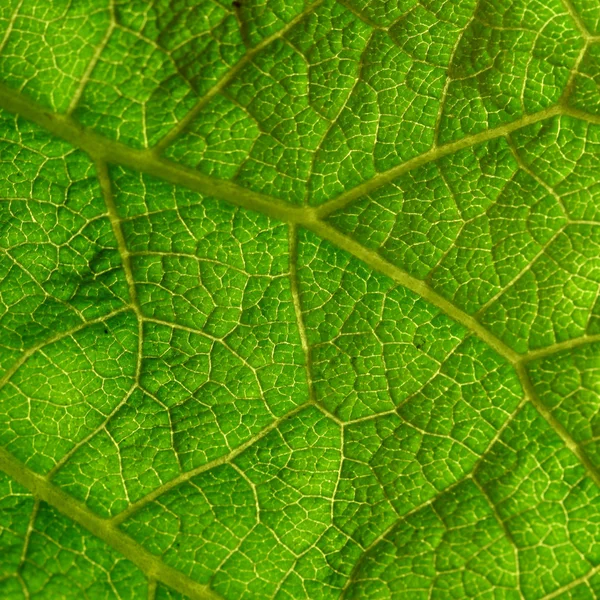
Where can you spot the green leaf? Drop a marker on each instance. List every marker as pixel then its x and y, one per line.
pixel 299 300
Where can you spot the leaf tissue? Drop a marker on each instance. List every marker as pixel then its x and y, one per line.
pixel 299 300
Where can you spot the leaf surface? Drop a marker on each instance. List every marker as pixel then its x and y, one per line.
pixel 299 300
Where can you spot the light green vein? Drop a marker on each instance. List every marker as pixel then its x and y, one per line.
pixel 106 150
pixel 558 427
pixel 294 285
pixel 435 153
pixel 420 287
pixel 584 340
pixel 150 565
pixel 55 338
pixel 221 460
pixel 569 586
pixel 170 137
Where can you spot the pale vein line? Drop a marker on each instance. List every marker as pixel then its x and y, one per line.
pixel 581 115
pixel 376 415
pixel 94 60
pixel 151 589
pixel 526 269
pixel 10 25
pixel 226 458
pixel 217 340
pixel 119 456
pixel 584 340
pixel 27 540
pixel 576 18
pixel 374 260
pixel 200 332
pixel 390 528
pixel 467 477
pixel 525 167
pixel 105 149
pixel 435 153
pixel 572 584
pixel 51 340
pixel 526 77
pixel 172 135
pixel 24 588
pixel 105 185
pixel 558 427
pixel 61 463
pixel 334 122
pixel 459 37
pixel 150 565
pixel 573 75
pixel 293 258
pixel 507 534
pixel 348 6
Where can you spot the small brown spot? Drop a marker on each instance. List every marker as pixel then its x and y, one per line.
pixel 236 4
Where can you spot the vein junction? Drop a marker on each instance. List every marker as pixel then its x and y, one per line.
pixel 105 151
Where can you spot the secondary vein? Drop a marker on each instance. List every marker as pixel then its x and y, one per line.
pixel 152 566
pixel 104 150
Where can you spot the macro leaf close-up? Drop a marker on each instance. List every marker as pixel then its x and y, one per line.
pixel 299 301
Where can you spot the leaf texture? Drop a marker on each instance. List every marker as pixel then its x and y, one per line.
pixel 299 300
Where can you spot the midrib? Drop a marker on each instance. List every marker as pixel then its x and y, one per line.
pixel 152 566
pixel 101 148
pixel 104 149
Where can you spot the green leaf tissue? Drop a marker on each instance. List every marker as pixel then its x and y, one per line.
pixel 299 300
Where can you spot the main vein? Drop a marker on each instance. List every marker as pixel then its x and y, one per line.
pixel 152 566
pixel 104 150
